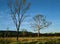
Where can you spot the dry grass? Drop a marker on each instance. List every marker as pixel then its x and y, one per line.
pixel 29 39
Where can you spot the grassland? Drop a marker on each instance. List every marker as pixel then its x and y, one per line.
pixel 31 40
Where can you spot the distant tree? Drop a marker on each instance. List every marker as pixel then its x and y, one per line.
pixel 39 22
pixel 18 8
pixel 7 33
pixel 24 32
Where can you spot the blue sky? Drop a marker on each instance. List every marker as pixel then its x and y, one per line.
pixel 48 8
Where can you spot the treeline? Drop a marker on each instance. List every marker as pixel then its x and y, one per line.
pixel 24 34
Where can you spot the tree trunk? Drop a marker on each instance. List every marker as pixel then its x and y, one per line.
pixel 38 33
pixel 17 34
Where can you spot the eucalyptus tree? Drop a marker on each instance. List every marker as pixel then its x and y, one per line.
pixel 18 8
pixel 39 22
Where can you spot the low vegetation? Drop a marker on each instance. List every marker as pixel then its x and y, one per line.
pixel 30 40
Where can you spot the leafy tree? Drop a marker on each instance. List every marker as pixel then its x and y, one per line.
pixel 39 22
pixel 18 8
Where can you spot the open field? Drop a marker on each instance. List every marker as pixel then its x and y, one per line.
pixel 30 38
pixel 52 40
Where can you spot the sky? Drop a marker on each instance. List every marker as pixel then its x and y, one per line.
pixel 48 8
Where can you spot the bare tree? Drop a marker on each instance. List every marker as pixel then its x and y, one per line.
pixel 39 22
pixel 24 32
pixel 7 32
pixel 18 8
